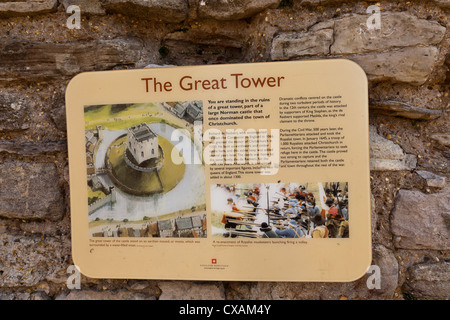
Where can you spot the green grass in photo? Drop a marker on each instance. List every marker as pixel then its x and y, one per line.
pixel 146 182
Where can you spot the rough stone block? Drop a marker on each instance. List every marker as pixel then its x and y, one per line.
pixel 443 3
pixel 421 221
pixel 385 155
pixel 25 8
pixel 29 60
pixel 30 191
pixel 28 260
pixel 411 64
pixel 174 290
pixel 398 29
pixel 442 139
pixel 292 45
pixel 103 295
pixel 233 9
pixel 429 280
pixel 398 108
pixel 93 7
pixel 13 112
pixel 165 10
pixel 433 180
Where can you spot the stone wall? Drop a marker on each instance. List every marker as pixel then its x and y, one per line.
pixel 406 61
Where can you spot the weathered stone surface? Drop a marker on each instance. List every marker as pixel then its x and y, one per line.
pixel 386 261
pixel 433 180
pixel 411 64
pixel 24 8
pixel 373 213
pixel 291 45
pixel 442 138
pixel 398 108
pixel 321 1
pixel 28 60
pixel 443 3
pixel 27 260
pixel 24 296
pixel 421 221
pixel 398 29
pixel 13 112
pixel 93 7
pixel 31 148
pixel 30 191
pixel 176 290
pixel 165 10
pixel 212 41
pixel 233 9
pixel 386 155
pixel 220 34
pixel 149 66
pixel 429 280
pixel 103 295
pixel 404 50
pixel 382 257
pixel 60 53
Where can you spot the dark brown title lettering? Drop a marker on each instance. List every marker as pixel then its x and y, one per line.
pixel 188 83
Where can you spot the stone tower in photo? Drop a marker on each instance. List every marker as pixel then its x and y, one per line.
pixel 142 142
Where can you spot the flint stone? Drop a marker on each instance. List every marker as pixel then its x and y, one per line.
pixel 398 108
pixel 30 191
pixel 28 260
pixel 386 155
pixel 290 45
pixel 429 281
pixel 173 11
pixel 398 29
pixel 433 180
pixel 26 8
pixel 28 59
pixel 233 9
pixel 410 65
pixel 421 221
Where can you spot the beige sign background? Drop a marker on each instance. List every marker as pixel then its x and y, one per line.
pixel 272 85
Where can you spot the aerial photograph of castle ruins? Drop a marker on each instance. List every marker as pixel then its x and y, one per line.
pixel 134 186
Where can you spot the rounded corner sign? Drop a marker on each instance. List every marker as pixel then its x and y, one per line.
pixel 220 172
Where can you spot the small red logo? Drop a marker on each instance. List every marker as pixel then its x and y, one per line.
pixel 213 261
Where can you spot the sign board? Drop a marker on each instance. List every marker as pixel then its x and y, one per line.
pixel 221 172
